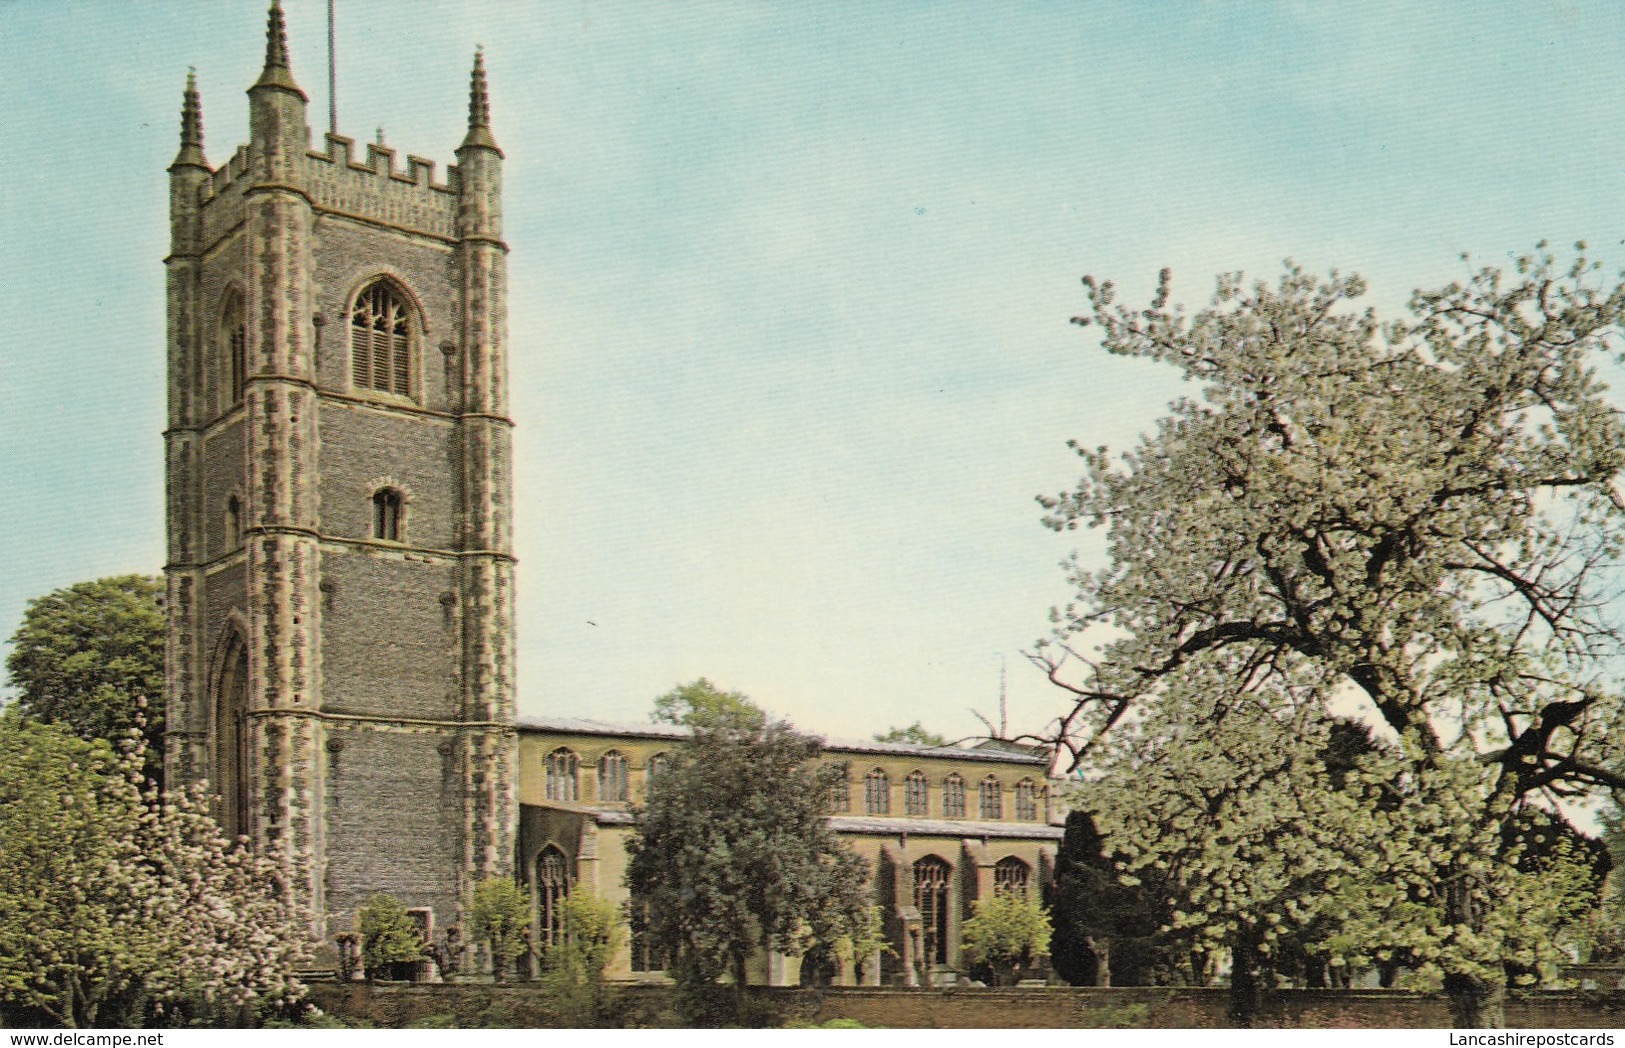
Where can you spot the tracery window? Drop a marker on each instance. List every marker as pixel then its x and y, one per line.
pixel 1026 801
pixel 552 887
pixel 953 796
pixel 386 514
pixel 659 764
pixel 876 793
pixel 380 341
pixel 916 795
pixel 234 347
pixel 562 770
pixel 612 777
pixel 1012 875
pixel 992 797
pixel 931 898
pixel 840 791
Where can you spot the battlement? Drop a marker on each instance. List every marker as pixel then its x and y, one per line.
pixel 378 190
pixel 375 190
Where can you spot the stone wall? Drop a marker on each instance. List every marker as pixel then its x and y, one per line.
pixel 1038 1008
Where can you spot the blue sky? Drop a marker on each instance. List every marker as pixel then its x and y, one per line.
pixel 790 283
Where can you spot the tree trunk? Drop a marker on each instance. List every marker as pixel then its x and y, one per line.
pixel 741 1005
pixel 1102 949
pixel 1476 1004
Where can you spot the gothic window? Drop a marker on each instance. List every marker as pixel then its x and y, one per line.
pixel 234 522
pixel 380 342
pixel 931 898
pixel 992 798
pixel 953 796
pixel 612 777
pixel 916 795
pixel 552 886
pixel 386 514
pixel 659 764
pixel 840 791
pixel 876 793
pixel 234 348
pixel 562 775
pixel 1012 875
pixel 1026 801
pixel 231 739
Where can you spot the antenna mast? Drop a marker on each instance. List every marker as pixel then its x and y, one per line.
pixel 332 76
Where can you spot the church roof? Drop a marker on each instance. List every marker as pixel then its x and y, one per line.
pixel 586 726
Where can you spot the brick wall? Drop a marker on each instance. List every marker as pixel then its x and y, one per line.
pixel 1047 1008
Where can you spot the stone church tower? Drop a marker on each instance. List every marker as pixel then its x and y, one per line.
pixel 339 500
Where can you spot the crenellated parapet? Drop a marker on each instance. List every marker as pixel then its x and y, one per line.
pixel 377 191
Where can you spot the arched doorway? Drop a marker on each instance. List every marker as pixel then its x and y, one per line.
pixel 230 739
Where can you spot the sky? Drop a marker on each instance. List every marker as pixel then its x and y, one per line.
pixel 790 284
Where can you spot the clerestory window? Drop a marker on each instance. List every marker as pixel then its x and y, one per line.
pixel 562 770
pixel 876 793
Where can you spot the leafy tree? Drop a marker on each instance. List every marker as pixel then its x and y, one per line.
pixel 915 733
pixel 389 936
pixel 118 909
pixel 1417 514
pixel 91 656
pixel 498 915
pixel 734 853
pixel 573 967
pixel 701 705
pixel 863 942
pixel 1006 932
pixel 1107 933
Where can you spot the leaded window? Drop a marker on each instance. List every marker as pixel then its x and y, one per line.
pixel 1012 875
pixel 380 341
pixel 876 793
pixel 1026 801
pixel 992 798
pixel 552 888
pixel 953 796
pixel 562 776
pixel 840 791
pixel 931 898
pixel 612 777
pixel 916 795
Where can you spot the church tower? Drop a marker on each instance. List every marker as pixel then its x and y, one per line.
pixel 339 501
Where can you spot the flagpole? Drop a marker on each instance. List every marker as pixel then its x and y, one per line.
pixel 332 76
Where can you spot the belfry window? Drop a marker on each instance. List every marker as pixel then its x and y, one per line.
pixel 992 797
pixel 561 769
pixel 380 341
pixel 953 796
pixel 612 777
pixel 916 795
pixel 386 515
pixel 876 793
